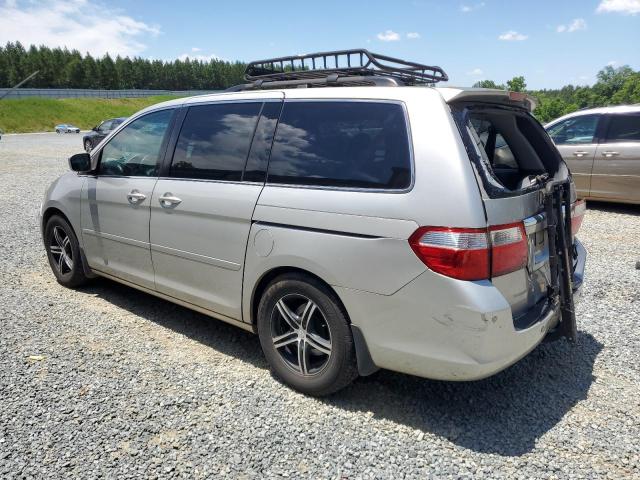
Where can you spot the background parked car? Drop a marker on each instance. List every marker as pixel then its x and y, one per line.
pixel 99 132
pixel 67 128
pixel 602 148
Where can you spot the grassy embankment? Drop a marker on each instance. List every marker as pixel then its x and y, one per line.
pixel 42 114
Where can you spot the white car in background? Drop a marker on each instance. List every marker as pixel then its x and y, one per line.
pixel 66 128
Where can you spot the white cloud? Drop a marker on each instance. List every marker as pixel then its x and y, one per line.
pixel 628 7
pixel 574 26
pixel 513 36
pixel 471 8
pixel 75 24
pixel 199 57
pixel 196 49
pixel 476 72
pixel 388 36
pixel 612 63
pixel 413 35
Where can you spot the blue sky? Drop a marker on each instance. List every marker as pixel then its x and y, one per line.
pixel 551 43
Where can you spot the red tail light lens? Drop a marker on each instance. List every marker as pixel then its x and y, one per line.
pixel 460 253
pixel 578 210
pixel 472 253
pixel 509 250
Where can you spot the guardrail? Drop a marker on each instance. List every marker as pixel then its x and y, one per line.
pixel 91 93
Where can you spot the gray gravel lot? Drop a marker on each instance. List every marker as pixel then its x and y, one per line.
pixel 107 382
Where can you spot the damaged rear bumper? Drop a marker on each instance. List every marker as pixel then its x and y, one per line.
pixel 441 328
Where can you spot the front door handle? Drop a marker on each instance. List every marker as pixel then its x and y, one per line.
pixel 135 197
pixel 168 200
pixel 580 153
pixel 610 154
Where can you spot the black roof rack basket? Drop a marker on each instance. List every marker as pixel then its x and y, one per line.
pixel 358 66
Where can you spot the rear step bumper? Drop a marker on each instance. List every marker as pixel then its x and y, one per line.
pixel 442 328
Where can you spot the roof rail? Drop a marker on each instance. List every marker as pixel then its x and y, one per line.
pixel 340 67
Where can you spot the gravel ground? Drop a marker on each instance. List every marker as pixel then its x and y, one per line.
pixel 107 382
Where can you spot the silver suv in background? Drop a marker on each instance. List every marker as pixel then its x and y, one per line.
pixel 373 223
pixel 602 148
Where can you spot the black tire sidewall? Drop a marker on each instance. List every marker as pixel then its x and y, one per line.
pixel 76 276
pixel 341 369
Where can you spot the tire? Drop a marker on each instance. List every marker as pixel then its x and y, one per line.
pixel 58 131
pixel 322 327
pixel 63 252
pixel 87 146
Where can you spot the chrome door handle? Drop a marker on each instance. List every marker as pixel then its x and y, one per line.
pixel 168 200
pixel 580 153
pixel 135 197
pixel 610 154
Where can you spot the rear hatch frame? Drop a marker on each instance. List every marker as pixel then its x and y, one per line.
pixel 555 193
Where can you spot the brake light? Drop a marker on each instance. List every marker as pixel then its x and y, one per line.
pixel 578 210
pixel 471 253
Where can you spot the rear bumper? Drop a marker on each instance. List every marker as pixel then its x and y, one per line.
pixel 442 328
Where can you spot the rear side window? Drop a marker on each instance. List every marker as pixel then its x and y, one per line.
pixel 624 128
pixel 214 141
pixel 341 144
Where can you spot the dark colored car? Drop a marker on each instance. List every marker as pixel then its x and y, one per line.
pixel 99 132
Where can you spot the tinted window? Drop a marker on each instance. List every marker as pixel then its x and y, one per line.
pixel 215 140
pixel 624 128
pixel 341 144
pixel 256 169
pixel 576 130
pixel 135 150
pixel 105 126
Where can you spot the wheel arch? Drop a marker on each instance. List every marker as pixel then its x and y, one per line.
pixel 50 212
pixel 268 276
pixel 363 357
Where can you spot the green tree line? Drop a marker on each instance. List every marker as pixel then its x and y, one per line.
pixel 614 86
pixel 63 68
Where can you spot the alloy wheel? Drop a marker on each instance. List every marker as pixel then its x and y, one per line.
pixel 301 334
pixel 60 248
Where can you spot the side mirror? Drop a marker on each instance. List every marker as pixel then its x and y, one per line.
pixel 95 129
pixel 80 162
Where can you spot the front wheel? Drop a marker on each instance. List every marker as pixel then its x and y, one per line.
pixel 63 252
pixel 305 335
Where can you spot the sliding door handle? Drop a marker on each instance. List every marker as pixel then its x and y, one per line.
pixel 580 153
pixel 610 154
pixel 168 200
pixel 135 197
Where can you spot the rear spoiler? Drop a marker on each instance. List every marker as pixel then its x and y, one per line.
pixel 488 95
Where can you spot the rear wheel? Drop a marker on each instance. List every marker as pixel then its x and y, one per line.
pixel 58 130
pixel 305 335
pixel 63 252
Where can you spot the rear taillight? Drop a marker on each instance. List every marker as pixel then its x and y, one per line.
pixel 461 253
pixel 471 253
pixel 509 250
pixel 578 209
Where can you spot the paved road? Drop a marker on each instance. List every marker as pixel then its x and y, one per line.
pixel 109 382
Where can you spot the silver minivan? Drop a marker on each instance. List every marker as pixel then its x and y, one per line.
pixel 347 211
pixel 602 148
